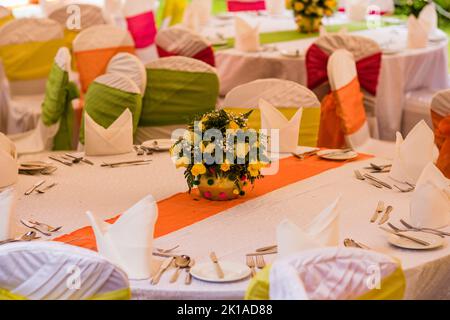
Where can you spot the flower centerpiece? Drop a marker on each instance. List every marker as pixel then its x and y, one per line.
pixel 309 13
pixel 221 155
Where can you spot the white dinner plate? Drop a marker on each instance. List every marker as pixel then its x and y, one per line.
pixel 163 144
pixel 292 53
pixel 434 240
pixel 326 154
pixel 233 271
pixel 437 36
pixel 225 16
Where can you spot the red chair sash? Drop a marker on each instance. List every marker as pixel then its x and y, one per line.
pixel 368 69
pixel 206 55
pixel 443 135
pixel 143 29
pixel 234 6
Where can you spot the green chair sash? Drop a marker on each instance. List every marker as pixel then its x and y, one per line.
pixel 175 97
pixel 57 106
pixel 105 104
pixel 309 126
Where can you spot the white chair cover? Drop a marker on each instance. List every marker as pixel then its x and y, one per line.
pixel 441 103
pixel 54 271
pixel 7 202
pixel 328 274
pixel 341 71
pixel 181 41
pixel 280 93
pixel 102 37
pixel 131 67
pixel 90 15
pixel 417 108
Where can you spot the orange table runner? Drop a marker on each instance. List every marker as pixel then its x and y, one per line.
pixel 184 209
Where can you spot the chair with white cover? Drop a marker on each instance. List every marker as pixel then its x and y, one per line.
pixel 416 108
pixel 129 65
pixel 8 164
pixel 331 274
pixel 141 23
pixel 5 15
pixel 94 47
pixel 56 127
pixel 344 121
pixel 56 271
pixel 246 5
pixel 440 113
pixel 107 99
pixel 180 41
pixel 285 95
pixel 178 88
pixel 367 54
pixel 27 49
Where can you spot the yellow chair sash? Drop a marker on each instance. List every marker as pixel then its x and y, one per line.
pixel 121 294
pixel 28 61
pixel 6 19
pixel 309 127
pixel 7 295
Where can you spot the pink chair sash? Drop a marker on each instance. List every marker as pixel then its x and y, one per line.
pixel 368 69
pixel 234 5
pixel 143 29
pixel 206 55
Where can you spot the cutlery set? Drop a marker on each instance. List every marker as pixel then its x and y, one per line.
pixel 69 159
pixel 378 183
pixel 40 227
pixel 379 210
pixel 180 262
pixel 126 163
pixel 36 167
pixel 29 236
pixel 36 188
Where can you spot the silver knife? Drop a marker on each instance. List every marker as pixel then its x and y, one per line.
pixel 380 209
pixel 386 215
pixel 37 185
pixel 384 184
pixel 419 241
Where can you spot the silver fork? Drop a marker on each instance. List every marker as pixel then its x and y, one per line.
pixel 251 265
pixel 396 229
pixel 407 225
pixel 260 263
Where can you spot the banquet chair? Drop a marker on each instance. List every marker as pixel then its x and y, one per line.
pixel 286 95
pixel 108 97
pixel 90 15
pixel 95 46
pixel 129 65
pixel 180 41
pixel 141 23
pixel 27 49
pixel 178 88
pixel 54 271
pixel 417 108
pixel 55 129
pixel 246 5
pixel 5 15
pixel 343 120
pixel 172 12
pixel 367 54
pixel 440 113
pixel 330 274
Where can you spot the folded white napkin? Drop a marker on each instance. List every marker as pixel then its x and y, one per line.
pixel 322 232
pixel 417 33
pixel 197 14
pixel 9 171
pixel 275 7
pixel 6 210
pixel 413 154
pixel 117 139
pixel 129 241
pixel 356 10
pixel 430 203
pixel 247 36
pixel 272 119
pixel 428 16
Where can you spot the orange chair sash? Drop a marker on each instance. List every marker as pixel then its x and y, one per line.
pixel 442 134
pixel 342 113
pixel 93 63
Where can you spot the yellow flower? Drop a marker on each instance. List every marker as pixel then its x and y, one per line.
pixel 233 125
pixel 330 3
pixel 198 169
pixel 183 162
pixel 225 167
pixel 236 191
pixel 298 6
pixel 253 168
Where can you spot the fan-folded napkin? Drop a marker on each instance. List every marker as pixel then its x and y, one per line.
pixel 247 36
pixel 418 31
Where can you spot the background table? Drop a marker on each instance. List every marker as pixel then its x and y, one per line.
pixel 234 232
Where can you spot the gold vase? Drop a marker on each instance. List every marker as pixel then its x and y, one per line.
pixel 218 189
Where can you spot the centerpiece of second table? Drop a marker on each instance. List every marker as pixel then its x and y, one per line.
pixel 221 155
pixel 309 13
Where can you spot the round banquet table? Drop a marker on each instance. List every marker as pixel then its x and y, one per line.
pixel 402 69
pixel 234 232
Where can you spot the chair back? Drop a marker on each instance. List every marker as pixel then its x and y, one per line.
pixel 130 66
pixel 440 114
pixel 286 95
pixel 56 271
pixel 94 47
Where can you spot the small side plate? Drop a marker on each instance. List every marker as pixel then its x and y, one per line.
pixel 326 154
pixel 434 240
pixel 233 271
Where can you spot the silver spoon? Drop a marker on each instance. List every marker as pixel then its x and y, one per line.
pixel 181 262
pixel 29 236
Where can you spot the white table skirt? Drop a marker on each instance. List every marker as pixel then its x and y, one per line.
pixel 233 232
pixel 400 73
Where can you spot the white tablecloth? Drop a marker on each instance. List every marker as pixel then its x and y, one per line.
pixel 233 232
pixel 401 72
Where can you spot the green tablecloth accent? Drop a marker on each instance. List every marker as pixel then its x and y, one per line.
pixel 57 106
pixel 175 97
pixel 105 104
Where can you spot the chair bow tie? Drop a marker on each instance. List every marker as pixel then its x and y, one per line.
pixel 368 69
pixel 443 132
pixel 206 55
